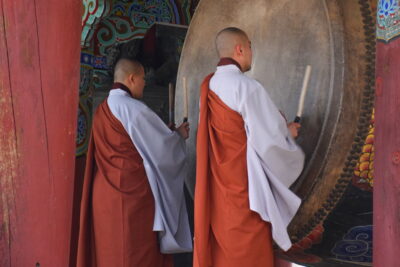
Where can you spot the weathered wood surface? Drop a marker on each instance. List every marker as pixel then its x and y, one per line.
pixel 39 76
pixel 387 155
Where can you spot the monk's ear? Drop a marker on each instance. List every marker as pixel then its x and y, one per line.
pixel 238 49
pixel 132 78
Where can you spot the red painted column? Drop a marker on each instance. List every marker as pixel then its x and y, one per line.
pixel 76 207
pixel 39 76
pixel 387 155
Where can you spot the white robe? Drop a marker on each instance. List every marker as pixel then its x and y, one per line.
pixel 164 157
pixel 274 160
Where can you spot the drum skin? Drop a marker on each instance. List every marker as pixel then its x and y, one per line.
pixel 336 38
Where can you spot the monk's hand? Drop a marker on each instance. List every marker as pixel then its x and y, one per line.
pixel 294 129
pixel 183 130
pixel 172 126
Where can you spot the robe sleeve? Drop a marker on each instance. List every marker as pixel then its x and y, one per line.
pixel 164 157
pixel 269 136
pixel 274 162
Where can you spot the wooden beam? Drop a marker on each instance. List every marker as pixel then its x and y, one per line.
pixel 39 76
pixel 387 155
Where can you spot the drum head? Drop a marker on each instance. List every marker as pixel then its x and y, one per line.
pixel 286 36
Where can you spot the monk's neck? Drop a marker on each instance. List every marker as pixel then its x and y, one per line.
pixel 229 61
pixel 119 85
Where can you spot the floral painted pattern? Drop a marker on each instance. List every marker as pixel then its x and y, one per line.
pixel 388 19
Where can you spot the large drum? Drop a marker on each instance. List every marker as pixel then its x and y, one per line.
pixel 336 38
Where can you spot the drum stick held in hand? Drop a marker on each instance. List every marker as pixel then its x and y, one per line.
pixel 185 101
pixel 171 91
pixel 303 94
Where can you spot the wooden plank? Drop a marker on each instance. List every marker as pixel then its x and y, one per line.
pixel 59 35
pixel 42 47
pixel 387 155
pixel 8 157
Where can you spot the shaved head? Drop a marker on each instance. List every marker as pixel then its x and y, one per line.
pixel 228 39
pixel 131 74
pixel 126 67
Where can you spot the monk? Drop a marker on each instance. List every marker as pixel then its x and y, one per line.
pixel 246 161
pixel 133 210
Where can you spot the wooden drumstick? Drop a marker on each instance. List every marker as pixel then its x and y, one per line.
pixel 185 101
pixel 171 90
pixel 303 94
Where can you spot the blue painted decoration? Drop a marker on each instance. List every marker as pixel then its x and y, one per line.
pixel 388 20
pixel 356 245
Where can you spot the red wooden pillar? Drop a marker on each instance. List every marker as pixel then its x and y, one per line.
pixel 387 139
pixel 39 76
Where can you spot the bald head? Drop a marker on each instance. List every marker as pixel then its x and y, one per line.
pixel 234 43
pixel 131 74
pixel 228 39
pixel 126 67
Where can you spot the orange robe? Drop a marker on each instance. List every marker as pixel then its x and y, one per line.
pixel 227 232
pixel 117 210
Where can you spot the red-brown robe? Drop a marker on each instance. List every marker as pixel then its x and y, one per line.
pixel 117 210
pixel 227 232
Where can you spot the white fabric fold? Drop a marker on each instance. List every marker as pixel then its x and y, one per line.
pixel 274 160
pixel 164 157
